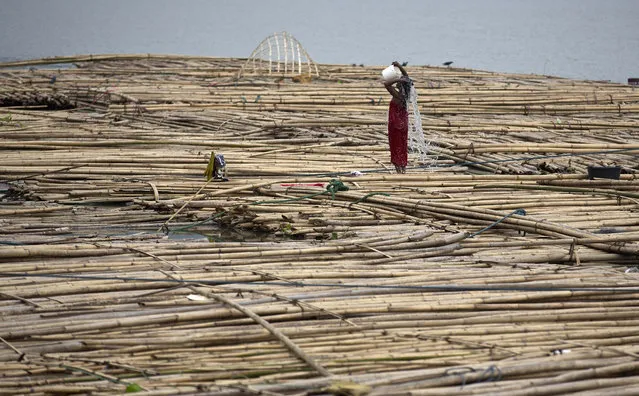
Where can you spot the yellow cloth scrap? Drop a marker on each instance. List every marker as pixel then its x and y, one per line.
pixel 210 167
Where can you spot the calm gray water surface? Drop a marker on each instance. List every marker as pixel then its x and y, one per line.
pixel 586 39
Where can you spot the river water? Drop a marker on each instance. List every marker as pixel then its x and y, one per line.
pixel 584 39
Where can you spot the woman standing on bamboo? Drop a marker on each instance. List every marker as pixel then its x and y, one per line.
pixel 398 119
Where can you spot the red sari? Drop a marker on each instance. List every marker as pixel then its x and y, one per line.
pixel 398 133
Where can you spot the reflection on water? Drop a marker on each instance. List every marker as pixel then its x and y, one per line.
pixel 588 39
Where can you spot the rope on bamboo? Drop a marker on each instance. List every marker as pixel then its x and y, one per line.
pixel 362 199
pixel 520 212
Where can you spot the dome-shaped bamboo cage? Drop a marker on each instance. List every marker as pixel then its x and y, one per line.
pixel 280 54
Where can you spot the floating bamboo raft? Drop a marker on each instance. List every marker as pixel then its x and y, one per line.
pixel 497 266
